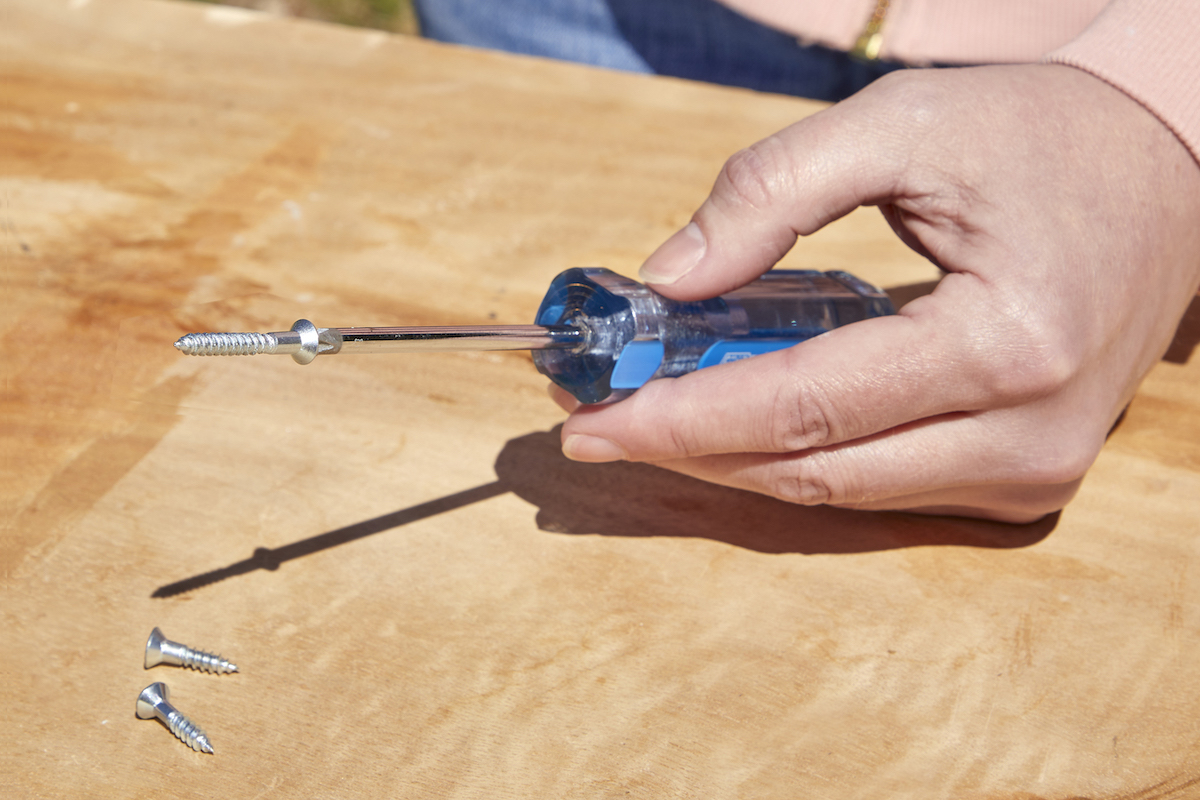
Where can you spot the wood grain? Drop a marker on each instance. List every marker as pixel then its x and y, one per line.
pixel 424 598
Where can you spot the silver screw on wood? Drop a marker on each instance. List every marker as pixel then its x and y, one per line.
pixel 161 650
pixel 152 702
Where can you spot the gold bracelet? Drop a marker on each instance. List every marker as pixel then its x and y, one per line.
pixel 870 41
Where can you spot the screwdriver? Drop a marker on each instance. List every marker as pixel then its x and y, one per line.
pixel 600 335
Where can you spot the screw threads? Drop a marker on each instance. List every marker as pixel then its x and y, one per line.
pixel 205 662
pixel 188 732
pixel 226 344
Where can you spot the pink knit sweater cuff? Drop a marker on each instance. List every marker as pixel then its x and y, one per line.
pixel 1148 49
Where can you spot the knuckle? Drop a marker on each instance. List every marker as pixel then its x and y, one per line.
pixel 681 442
pixel 1031 362
pixel 799 426
pixel 677 423
pixel 754 177
pixel 801 418
pixel 1064 465
pixel 670 425
pixel 1049 453
pixel 812 481
pixel 916 94
pixel 1027 374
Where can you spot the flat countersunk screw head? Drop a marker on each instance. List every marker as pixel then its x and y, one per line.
pixel 152 703
pixel 161 650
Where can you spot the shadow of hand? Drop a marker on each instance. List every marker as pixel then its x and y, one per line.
pixel 623 499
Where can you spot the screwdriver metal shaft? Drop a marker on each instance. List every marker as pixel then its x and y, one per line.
pixel 305 341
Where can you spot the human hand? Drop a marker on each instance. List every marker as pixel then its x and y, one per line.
pixel 1065 216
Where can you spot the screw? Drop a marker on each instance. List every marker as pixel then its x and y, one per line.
pixel 226 344
pixel 161 650
pixel 152 702
pixel 303 342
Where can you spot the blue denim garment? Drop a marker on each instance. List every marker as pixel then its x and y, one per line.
pixel 697 39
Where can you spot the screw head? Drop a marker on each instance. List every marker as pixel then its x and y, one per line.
pixel 151 698
pixel 310 341
pixel 154 645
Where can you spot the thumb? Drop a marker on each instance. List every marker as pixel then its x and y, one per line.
pixel 787 185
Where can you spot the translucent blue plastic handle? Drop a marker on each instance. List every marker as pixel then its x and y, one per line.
pixel 634 335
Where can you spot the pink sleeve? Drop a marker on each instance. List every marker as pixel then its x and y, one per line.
pixel 1147 49
pixel 933 31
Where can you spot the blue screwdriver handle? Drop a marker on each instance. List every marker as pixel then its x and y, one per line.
pixel 633 335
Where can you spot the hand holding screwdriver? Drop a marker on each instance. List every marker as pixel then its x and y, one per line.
pixel 1065 215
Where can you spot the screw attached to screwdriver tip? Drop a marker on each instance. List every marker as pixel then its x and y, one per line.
pixel 303 342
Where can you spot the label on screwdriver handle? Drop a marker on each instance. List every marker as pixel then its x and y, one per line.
pixel 729 350
pixel 640 360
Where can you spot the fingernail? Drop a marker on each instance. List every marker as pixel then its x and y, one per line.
pixel 676 256
pixel 591 449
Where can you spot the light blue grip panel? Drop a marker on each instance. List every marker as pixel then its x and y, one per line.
pixel 637 364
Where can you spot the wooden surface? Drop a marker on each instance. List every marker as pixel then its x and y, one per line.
pixel 424 598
